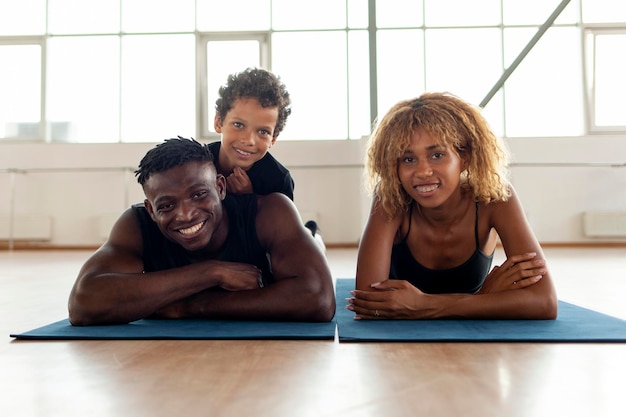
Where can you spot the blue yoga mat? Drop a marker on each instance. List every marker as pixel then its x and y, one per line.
pixel 573 325
pixel 185 329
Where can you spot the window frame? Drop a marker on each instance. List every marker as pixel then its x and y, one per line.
pixel 589 73
pixel 202 39
pixel 41 41
pixel 264 37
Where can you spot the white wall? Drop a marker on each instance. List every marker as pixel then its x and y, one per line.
pixel 77 185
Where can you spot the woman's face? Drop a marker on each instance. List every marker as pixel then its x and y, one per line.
pixel 430 172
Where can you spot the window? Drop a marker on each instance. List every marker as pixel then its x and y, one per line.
pixel 144 70
pixel 605 79
pixel 21 90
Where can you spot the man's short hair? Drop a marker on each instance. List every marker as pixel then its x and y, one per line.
pixel 169 154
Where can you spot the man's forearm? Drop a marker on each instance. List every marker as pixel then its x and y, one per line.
pixel 281 301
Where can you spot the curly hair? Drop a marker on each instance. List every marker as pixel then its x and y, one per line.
pixel 259 84
pixel 169 154
pixel 456 125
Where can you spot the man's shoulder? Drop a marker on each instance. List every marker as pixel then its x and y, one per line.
pixel 273 203
pixel 139 209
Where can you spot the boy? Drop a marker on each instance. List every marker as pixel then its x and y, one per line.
pixel 251 111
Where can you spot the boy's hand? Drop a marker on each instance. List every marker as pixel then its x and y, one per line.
pixel 238 182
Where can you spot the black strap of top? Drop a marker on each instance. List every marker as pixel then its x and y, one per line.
pixel 476 227
pixel 410 220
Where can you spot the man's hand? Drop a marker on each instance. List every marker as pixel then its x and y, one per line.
pixel 238 276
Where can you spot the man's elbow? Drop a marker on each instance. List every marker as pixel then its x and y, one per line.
pixel 323 309
pixel 84 311
pixel 77 316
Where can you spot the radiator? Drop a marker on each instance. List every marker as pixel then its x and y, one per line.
pixel 26 227
pixel 604 223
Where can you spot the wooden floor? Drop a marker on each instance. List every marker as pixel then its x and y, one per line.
pixel 305 378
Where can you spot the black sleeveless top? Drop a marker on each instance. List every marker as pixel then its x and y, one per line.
pixel 465 278
pixel 267 175
pixel 242 244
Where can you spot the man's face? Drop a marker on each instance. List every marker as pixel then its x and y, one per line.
pixel 186 204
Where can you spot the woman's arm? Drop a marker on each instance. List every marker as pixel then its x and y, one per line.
pixel 374 254
pixel 515 292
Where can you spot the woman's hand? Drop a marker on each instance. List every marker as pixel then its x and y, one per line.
pixel 389 299
pixel 519 271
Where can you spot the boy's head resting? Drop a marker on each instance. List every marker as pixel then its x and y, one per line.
pixel 259 84
pixel 169 154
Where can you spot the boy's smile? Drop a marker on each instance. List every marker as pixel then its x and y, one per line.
pixel 247 134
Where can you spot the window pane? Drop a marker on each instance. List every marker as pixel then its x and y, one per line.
pixel 400 71
pixel 544 94
pixel 158 87
pixel 462 12
pixel 358 84
pixel 399 13
pixel 24 17
pixel 224 58
pixel 300 15
pixel 83 88
pixel 83 17
pixel 232 15
pixel 610 87
pixel 318 87
pixel 604 11
pixel 158 16
pixel 20 90
pixel 465 62
pixel 358 14
pixel 536 12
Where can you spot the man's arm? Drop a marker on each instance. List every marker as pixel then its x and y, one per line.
pixel 112 288
pixel 303 290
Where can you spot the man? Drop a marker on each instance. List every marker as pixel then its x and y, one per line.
pixel 193 251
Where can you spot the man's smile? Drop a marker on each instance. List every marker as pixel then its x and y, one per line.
pixel 191 230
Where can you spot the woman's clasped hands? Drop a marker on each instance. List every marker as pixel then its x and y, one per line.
pixel 398 299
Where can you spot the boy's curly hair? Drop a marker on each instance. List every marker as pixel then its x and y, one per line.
pixel 259 84
pixel 458 126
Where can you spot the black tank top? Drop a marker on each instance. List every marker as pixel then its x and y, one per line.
pixel 242 243
pixel 465 278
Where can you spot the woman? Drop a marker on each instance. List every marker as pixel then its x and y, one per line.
pixel 441 201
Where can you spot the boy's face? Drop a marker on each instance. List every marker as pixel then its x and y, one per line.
pixel 247 133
